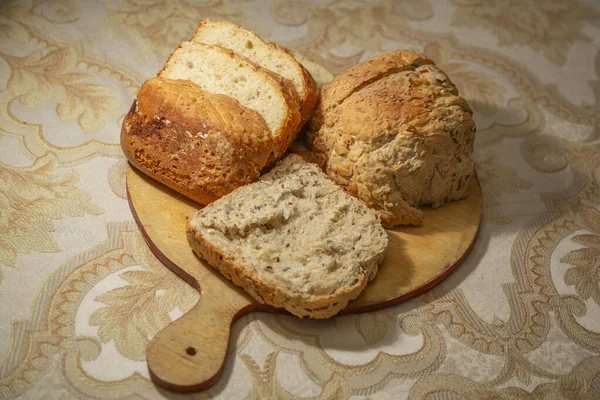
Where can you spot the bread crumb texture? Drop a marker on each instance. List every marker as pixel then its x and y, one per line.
pixel 267 55
pixel 294 239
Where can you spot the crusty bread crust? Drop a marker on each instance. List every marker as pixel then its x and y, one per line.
pixel 289 127
pixel 359 76
pixel 200 144
pixel 308 97
pixel 394 133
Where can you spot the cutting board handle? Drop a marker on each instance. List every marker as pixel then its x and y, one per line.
pixel 188 354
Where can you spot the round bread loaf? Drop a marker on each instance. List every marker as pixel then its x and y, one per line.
pixel 394 132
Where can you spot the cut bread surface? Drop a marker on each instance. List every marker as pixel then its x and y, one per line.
pixel 293 239
pixel 218 70
pixel 267 55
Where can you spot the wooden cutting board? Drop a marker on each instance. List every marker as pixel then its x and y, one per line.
pixel 188 355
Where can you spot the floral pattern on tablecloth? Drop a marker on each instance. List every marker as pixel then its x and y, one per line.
pixel 81 294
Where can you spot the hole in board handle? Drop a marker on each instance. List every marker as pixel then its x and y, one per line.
pixel 191 351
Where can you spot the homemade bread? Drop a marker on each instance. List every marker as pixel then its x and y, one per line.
pixel 293 239
pixel 219 70
pixel 268 55
pixel 201 144
pixel 394 132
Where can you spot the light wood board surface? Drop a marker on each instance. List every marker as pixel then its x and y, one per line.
pixel 188 355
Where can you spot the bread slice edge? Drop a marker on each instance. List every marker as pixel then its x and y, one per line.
pixel 319 307
pixel 307 90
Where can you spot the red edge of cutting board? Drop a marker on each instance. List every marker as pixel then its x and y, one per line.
pixel 258 307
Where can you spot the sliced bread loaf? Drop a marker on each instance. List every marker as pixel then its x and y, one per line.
pixel 201 144
pixel 294 239
pixel 267 55
pixel 219 70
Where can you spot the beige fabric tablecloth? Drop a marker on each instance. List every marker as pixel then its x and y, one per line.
pixel 80 293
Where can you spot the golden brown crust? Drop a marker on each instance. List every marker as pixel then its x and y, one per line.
pixel 200 144
pixel 366 72
pixel 395 133
pixel 186 104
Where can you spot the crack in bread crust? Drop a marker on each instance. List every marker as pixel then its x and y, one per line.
pixel 362 75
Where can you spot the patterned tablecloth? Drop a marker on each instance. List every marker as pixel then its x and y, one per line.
pixel 81 294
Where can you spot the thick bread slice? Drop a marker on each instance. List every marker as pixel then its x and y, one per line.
pixel 218 70
pixel 267 55
pixel 201 144
pixel 294 239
